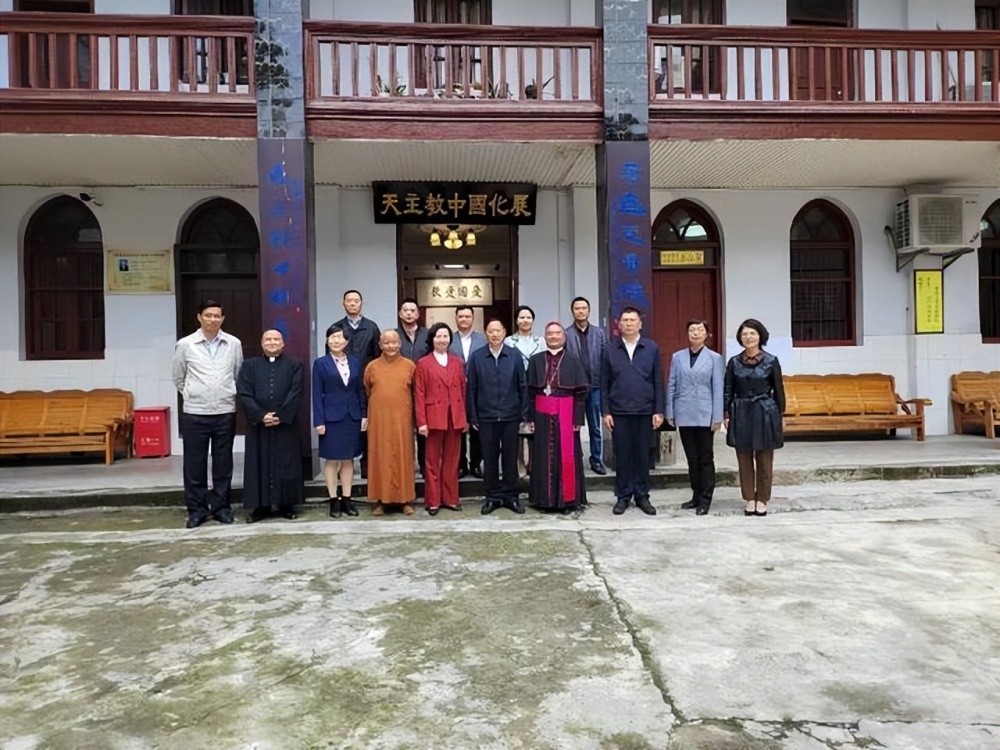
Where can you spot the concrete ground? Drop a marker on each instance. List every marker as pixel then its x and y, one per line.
pixel 856 615
pixel 63 484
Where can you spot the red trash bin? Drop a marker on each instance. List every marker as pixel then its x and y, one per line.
pixel 152 431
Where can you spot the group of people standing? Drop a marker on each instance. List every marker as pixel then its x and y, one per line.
pixel 491 405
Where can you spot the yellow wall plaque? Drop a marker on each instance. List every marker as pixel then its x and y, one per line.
pixel 140 272
pixel 682 257
pixel 928 301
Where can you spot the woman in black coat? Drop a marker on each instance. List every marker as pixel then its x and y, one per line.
pixel 753 402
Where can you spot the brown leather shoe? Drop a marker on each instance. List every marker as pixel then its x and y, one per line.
pixel 408 510
pixel 378 510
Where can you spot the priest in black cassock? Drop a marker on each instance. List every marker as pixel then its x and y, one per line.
pixel 557 393
pixel 268 391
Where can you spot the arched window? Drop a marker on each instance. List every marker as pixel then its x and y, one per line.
pixel 64 282
pixel 822 276
pixel 684 222
pixel 989 276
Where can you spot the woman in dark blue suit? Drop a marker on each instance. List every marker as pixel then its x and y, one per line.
pixel 339 416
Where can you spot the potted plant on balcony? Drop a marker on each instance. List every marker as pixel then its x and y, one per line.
pixel 383 89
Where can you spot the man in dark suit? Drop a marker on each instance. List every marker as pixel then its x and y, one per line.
pixel 362 342
pixel 495 400
pixel 632 401
pixel 413 345
pixel 463 344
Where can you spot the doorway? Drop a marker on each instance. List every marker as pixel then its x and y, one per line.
pixel 482 275
pixel 814 76
pixel 687 256
pixel 218 258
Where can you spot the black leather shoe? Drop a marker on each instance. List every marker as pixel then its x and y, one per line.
pixel 432 511
pixel 463 473
pixel 621 506
pixel 224 515
pixel 515 506
pixel 194 521
pixel 690 505
pixel 455 508
pixel 598 468
pixel 289 514
pixel 644 505
pixel 489 506
pixel 477 473
pixel 348 507
pixel 702 510
pixel 335 509
pixel 257 515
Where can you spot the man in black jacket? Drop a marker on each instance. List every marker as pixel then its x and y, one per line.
pixel 632 401
pixel 496 396
pixel 362 341
pixel 413 346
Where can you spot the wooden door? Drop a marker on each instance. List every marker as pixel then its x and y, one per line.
pixel 240 300
pixel 679 296
pixel 823 88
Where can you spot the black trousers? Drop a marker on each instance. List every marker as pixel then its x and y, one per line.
pixel 471 453
pixel 700 453
pixel 199 432
pixel 499 441
pixel 631 438
pixel 422 454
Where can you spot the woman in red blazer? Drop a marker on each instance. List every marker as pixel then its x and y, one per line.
pixel 439 397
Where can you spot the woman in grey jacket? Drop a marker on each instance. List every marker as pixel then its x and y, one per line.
pixel 694 406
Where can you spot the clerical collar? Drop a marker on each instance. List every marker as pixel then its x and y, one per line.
pixel 555 351
pixel 272 358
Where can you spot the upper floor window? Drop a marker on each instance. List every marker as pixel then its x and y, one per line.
pixel 988 15
pixel 213 7
pixel 822 276
pixel 705 61
pixel 475 12
pixel 688 11
pixel 989 276
pixel 64 282
pixel 819 12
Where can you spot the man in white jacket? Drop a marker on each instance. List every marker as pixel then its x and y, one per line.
pixel 205 368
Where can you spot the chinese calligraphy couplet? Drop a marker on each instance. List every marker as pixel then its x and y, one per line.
pixel 928 299
pixel 454 202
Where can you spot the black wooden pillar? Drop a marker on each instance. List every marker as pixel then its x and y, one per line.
pixel 623 213
pixel 285 187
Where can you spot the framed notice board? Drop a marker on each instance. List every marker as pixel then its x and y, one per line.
pixel 928 301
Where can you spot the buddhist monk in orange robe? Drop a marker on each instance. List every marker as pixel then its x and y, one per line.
pixel 389 385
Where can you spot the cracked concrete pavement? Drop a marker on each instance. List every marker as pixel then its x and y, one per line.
pixel 856 615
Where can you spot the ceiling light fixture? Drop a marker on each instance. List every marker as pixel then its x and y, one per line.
pixel 452 236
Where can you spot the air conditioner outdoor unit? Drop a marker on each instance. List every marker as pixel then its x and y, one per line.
pixel 935 223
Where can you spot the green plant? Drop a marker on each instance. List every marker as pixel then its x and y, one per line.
pixel 383 89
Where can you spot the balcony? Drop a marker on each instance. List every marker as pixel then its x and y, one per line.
pixel 453 82
pixel 795 82
pixel 135 75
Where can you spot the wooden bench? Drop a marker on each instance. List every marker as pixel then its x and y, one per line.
pixel 975 401
pixel 34 422
pixel 849 403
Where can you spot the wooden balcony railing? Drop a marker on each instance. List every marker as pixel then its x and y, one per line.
pixel 766 65
pixel 425 62
pixel 134 55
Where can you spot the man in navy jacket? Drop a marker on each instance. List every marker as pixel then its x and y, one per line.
pixel 632 402
pixel 496 397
